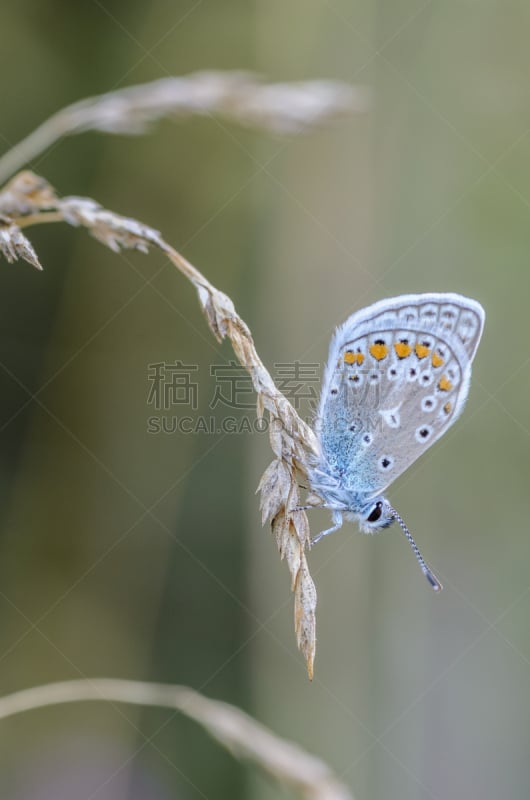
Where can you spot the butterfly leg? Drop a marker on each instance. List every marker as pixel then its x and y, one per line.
pixel 337 519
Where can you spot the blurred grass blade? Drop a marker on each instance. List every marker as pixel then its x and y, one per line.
pixel 308 776
pixel 283 108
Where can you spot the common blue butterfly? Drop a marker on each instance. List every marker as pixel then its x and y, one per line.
pixel 396 379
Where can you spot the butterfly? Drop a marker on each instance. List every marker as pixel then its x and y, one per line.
pixel 396 379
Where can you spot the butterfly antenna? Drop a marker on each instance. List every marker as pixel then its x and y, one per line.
pixel 429 574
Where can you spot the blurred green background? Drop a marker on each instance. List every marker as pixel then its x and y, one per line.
pixel 140 555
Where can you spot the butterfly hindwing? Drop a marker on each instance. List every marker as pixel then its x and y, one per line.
pixel 397 377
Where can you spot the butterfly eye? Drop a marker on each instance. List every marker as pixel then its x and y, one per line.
pixel 376 513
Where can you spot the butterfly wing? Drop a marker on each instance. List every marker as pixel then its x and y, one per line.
pixel 397 378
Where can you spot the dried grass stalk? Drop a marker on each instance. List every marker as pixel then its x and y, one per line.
pixel 307 775
pixel 283 108
pixel 14 245
pixel 29 199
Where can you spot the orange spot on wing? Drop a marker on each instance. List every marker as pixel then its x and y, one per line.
pixel 402 349
pixel 437 360
pixel 379 350
pixel 422 351
pixel 444 384
pixel 353 358
pixel 447 408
